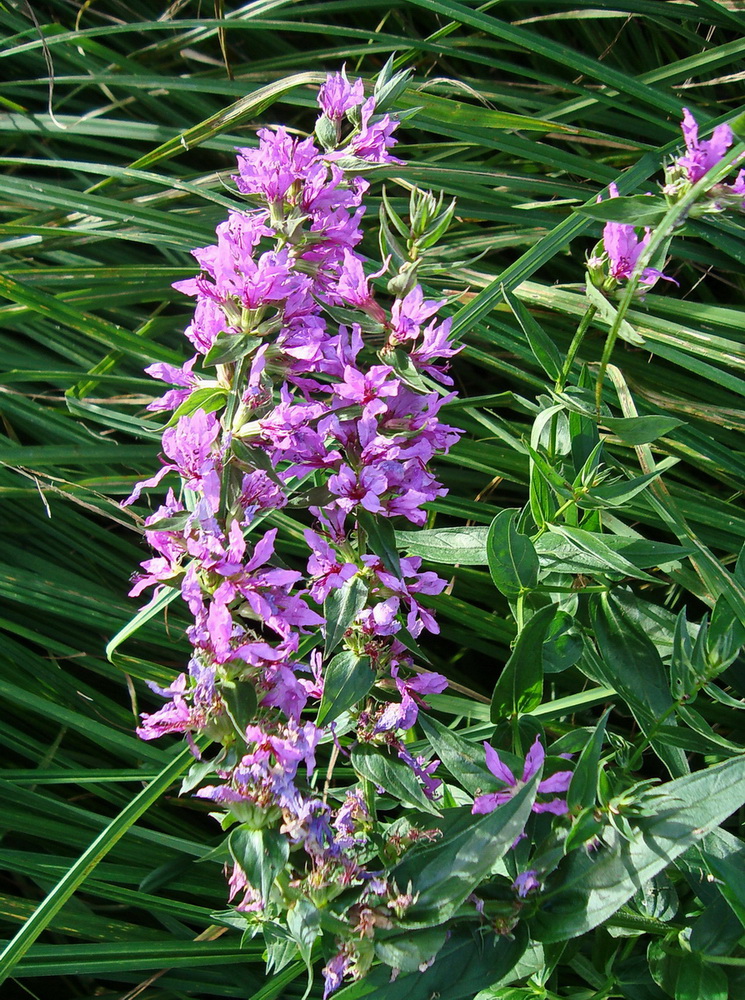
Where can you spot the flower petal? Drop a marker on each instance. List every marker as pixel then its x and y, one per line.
pixel 488 803
pixel 558 782
pixel 534 760
pixel 497 768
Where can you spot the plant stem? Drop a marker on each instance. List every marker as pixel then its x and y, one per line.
pixel 577 339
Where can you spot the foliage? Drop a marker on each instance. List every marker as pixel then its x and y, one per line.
pixel 590 534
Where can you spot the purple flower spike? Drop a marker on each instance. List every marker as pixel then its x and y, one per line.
pixel 624 248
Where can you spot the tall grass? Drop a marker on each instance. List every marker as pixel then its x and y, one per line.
pixel 118 128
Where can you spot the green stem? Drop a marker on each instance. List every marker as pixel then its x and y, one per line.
pixel 239 377
pixel 577 339
pixel 636 921
pixel 647 739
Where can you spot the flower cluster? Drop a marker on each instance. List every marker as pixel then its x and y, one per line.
pixel 281 405
pixel 614 259
pixel 621 250
pixel 699 157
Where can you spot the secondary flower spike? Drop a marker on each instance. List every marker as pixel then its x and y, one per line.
pixel 699 157
pixel 623 248
pixel 703 154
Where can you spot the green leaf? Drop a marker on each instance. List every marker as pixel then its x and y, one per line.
pixel 635 210
pixel 262 854
pixel 281 947
pixel 464 760
pixel 641 430
pixel 513 561
pixel 631 664
pixel 304 924
pixel 451 546
pixel 347 679
pixel 606 556
pixel 617 494
pixel 563 645
pixel 208 398
pixel 407 952
pixel 446 873
pixel 698 978
pixel 155 605
pixel 229 347
pixel 341 607
pixel 589 888
pixel 723 856
pixel 391 774
pixel 381 539
pixel 405 368
pixel 520 685
pixel 545 350
pixel 583 788
pixel 239 697
pixel 566 550
pixel 467 962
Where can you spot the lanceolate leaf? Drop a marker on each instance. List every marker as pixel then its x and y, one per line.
pixel 467 963
pixel 634 210
pixel 262 854
pixel 340 608
pixel 591 886
pixel 393 776
pixel 464 760
pixel 520 685
pixel 513 562
pixel 347 679
pixel 630 663
pixel 451 546
pixel 445 874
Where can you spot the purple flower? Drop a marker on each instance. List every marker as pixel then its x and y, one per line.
pixel 189 445
pixel 364 488
pixel 380 620
pixel 558 782
pixel 183 377
pixel 409 313
pixel 276 166
pixel 403 714
pixel 701 155
pixel 337 95
pixel 334 972
pixel 422 770
pixel 526 882
pixel 624 248
pixel 368 389
pixel 328 574
pixel 375 137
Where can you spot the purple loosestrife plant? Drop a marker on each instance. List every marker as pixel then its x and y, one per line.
pixel 316 385
pixel 304 410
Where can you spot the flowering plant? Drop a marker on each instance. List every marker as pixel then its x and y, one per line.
pixel 314 388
